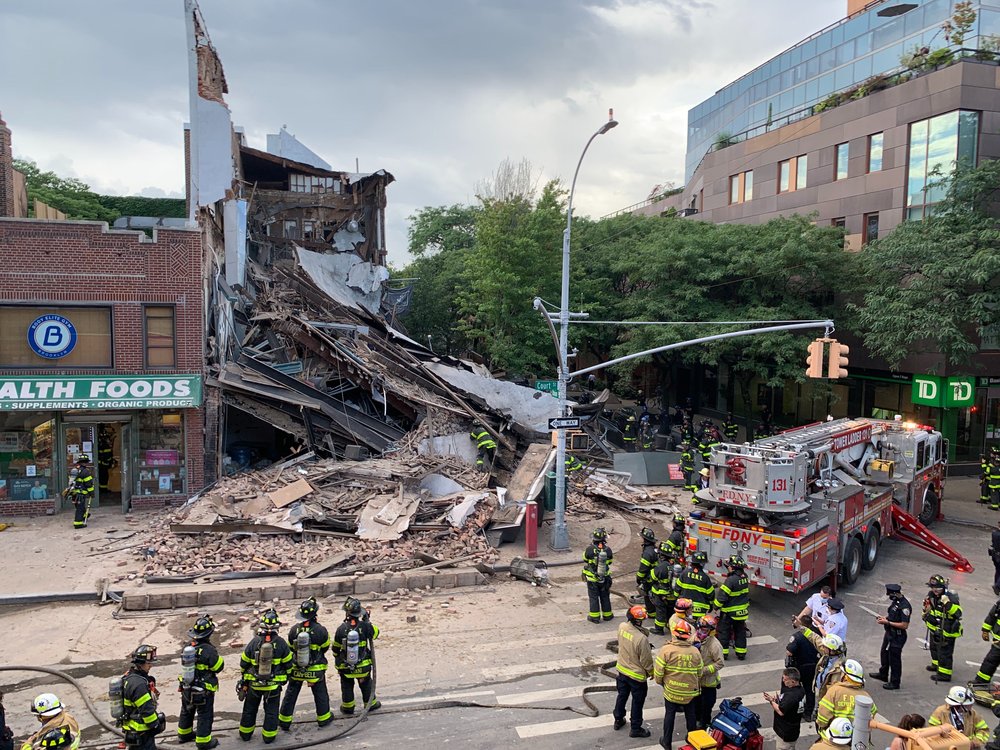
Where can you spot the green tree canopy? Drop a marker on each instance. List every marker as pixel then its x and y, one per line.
pixel 931 285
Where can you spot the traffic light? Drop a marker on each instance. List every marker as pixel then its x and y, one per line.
pixel 837 367
pixel 814 362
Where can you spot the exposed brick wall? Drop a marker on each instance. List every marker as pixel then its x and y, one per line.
pixel 6 171
pixel 83 262
pixel 27 508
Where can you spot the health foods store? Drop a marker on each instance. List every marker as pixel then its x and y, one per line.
pixel 143 434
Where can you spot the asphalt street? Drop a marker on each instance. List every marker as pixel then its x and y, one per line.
pixel 546 668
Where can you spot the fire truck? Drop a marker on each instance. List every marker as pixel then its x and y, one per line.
pixel 818 501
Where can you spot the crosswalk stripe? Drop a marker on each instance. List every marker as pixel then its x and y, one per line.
pixel 511 671
pixel 433 698
pixel 751 668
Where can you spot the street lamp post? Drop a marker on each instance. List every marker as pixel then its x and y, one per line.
pixel 560 535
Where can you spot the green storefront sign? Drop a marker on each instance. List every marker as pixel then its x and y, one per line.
pixel 40 393
pixel 932 390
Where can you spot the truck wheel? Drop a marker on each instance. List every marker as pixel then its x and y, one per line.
pixel 871 547
pixel 929 507
pixel 850 569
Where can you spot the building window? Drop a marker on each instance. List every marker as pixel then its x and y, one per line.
pixel 792 174
pixel 934 145
pixel 290 229
pixel 162 465
pixel 839 222
pixel 307 183
pixel 871 228
pixel 308 228
pixel 875 152
pixel 741 187
pixel 27 332
pixel 840 162
pixel 160 340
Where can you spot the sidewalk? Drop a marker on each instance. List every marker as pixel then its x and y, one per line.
pixel 960 504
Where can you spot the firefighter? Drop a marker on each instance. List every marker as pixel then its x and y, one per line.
pixel 991 634
pixel 687 431
pixel 49 711
pixel 943 617
pixel 141 722
pixel 354 656
pixel 647 562
pixel 896 621
pixel 993 479
pixel 629 431
pixel 635 667
pixel 6 734
pixel 486 446
pixel 682 611
pixel 695 584
pixel 105 456
pixel 677 669
pixel 265 662
pixel 662 588
pixel 994 551
pixel 687 467
pixel 645 434
pixel 710 439
pixel 199 686
pixel 59 738
pixel 832 655
pixel 838 702
pixel 712 662
pixel 729 428
pixel 676 539
pixel 732 599
pixel 957 711
pixel 984 479
pixel 761 431
pixel 573 465
pixel 309 642
pixel 597 574
pixel 81 491
pixel 838 734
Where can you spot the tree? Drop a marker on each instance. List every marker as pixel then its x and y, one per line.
pixel 932 285
pixel 71 196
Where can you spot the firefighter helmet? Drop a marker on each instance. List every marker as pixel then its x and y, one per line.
pixel 600 535
pixel 353 607
pixel 682 630
pixel 665 550
pixel 83 458
pixel 683 605
pixel 269 622
pixel 938 582
pixel 853 671
pixel 59 737
pixel 841 731
pixel 46 704
pixel 679 520
pixel 637 613
pixel 648 535
pixel 735 561
pixel 144 654
pixel 308 609
pixel 699 558
pixel 709 623
pixel 959 696
pixel 832 641
pixel 202 628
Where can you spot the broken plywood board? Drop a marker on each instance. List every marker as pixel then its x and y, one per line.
pixel 522 486
pixel 290 493
pixel 386 517
pixel 339 559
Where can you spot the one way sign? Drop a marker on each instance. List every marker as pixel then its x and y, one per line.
pixel 564 423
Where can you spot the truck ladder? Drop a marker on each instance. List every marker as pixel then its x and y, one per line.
pixel 909 529
pixel 813 434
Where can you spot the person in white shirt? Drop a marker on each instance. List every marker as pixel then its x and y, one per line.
pixel 816 606
pixel 836 622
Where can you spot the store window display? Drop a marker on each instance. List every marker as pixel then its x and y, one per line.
pixel 162 463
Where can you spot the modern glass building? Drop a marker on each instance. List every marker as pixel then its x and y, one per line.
pixel 787 87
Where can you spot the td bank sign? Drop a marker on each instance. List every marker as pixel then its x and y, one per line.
pixel 100 392
pixel 931 390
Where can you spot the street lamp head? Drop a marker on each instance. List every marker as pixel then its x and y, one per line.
pixel 612 122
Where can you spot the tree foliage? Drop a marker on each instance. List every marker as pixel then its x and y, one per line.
pixel 931 285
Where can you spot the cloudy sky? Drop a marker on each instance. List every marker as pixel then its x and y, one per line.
pixel 437 92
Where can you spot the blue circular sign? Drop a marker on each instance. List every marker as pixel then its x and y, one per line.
pixel 52 336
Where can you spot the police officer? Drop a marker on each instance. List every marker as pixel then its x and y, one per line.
pixel 597 574
pixel 662 588
pixel 687 466
pixel 895 622
pixel 991 634
pixel 141 722
pixel 198 696
pixel 694 584
pixel 729 428
pixel 354 655
pixel 943 617
pixel 732 599
pixel 486 446
pixel 801 654
pixel 647 562
pixel 81 491
pixel 265 662
pixel 308 665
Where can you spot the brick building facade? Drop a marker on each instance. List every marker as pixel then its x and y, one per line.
pixel 101 352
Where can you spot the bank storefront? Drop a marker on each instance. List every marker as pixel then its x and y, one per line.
pixel 143 434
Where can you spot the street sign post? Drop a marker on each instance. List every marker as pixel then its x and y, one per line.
pixel 564 423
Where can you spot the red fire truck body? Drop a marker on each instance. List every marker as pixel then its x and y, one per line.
pixel 819 499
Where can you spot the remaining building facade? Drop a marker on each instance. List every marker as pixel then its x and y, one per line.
pixel 835 128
